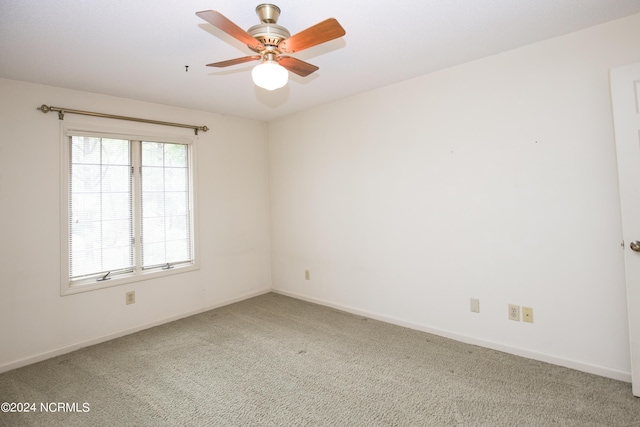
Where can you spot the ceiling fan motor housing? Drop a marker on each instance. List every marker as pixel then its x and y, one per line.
pixel 269 34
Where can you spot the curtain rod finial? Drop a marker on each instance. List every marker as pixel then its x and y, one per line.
pixel 202 128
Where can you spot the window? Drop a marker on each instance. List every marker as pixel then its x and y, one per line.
pixel 129 209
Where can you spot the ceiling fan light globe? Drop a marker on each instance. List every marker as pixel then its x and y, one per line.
pixel 269 75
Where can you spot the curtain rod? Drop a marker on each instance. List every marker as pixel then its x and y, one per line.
pixel 62 111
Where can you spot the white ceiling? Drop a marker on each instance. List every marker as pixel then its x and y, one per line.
pixel 139 49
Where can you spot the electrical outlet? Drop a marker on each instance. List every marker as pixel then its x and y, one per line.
pixel 514 312
pixel 307 275
pixel 130 297
pixel 475 305
pixel 527 314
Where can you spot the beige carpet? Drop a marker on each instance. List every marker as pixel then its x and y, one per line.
pixel 277 361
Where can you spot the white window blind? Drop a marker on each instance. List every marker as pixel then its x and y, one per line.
pixel 100 207
pixel 129 208
pixel 166 225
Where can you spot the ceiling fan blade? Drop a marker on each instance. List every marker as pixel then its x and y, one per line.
pixel 322 32
pixel 297 66
pixel 236 61
pixel 218 20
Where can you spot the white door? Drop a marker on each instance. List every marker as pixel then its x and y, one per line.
pixel 625 96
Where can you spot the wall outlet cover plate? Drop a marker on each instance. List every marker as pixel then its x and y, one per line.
pixel 514 312
pixel 130 297
pixel 475 305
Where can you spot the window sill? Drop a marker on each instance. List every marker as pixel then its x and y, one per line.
pixel 70 288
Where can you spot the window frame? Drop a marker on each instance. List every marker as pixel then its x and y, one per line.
pixel 68 286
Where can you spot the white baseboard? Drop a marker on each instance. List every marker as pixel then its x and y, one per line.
pixel 69 348
pixel 555 360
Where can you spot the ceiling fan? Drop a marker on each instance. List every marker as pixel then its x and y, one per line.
pixel 273 43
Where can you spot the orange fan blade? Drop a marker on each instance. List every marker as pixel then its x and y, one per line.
pixel 323 32
pixel 218 20
pixel 297 66
pixel 236 61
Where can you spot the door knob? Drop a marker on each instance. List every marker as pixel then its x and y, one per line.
pixel 635 246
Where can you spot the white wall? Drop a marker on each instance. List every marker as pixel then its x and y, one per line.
pixel 233 224
pixel 493 180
